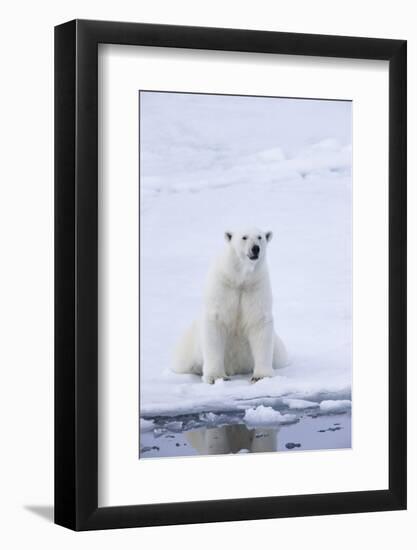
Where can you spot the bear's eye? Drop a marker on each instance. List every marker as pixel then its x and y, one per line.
pixel 244 237
pixel 259 237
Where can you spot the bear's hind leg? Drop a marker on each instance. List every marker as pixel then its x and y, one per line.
pixel 280 357
pixel 187 356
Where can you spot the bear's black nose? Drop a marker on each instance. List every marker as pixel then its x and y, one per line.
pixel 255 250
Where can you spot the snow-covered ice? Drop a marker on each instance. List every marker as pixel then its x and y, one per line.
pixel 267 416
pixel 299 404
pixel 332 406
pixel 211 163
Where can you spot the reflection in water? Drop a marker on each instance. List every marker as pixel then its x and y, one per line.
pixel 232 439
pixel 202 436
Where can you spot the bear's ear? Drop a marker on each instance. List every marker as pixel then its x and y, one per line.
pixel 228 236
pixel 268 236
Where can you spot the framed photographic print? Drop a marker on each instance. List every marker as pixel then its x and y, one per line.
pixel 230 252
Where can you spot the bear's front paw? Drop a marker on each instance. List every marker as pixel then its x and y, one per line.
pixel 211 379
pixel 257 377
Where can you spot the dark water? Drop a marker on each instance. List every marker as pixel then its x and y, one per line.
pixel 229 434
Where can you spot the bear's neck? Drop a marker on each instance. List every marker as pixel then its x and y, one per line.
pixel 240 273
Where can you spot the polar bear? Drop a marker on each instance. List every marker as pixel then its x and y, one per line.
pixel 235 332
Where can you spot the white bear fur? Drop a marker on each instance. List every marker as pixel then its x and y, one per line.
pixel 235 332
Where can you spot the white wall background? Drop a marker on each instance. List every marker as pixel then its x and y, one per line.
pixel 26 274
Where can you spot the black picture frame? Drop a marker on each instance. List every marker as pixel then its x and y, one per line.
pixel 76 272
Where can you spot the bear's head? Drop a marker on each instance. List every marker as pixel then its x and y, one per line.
pixel 250 244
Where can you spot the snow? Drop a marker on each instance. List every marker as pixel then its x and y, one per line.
pixel 211 163
pixel 331 406
pixel 267 416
